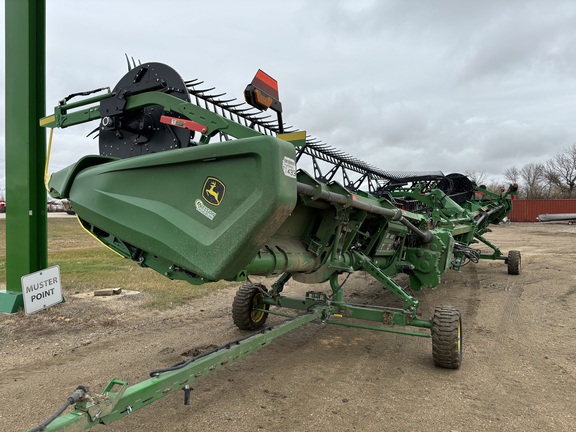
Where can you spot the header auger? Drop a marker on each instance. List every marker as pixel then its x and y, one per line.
pixel 202 188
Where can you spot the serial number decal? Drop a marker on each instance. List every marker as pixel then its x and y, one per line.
pixel 202 208
pixel 289 167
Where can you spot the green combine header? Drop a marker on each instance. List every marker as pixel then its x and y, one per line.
pixel 202 188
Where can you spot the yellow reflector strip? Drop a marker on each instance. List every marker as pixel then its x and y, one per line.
pixel 46 175
pixel 296 138
pixel 97 239
pixel 50 119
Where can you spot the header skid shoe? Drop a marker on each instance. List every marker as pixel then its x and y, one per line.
pixel 199 214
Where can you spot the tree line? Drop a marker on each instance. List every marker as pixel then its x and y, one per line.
pixel 553 179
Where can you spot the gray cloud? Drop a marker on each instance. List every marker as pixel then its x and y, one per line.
pixel 447 85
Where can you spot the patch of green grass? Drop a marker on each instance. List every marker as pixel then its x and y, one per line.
pixel 87 265
pixel 179 292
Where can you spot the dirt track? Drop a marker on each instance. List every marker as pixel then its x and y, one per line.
pixel 519 370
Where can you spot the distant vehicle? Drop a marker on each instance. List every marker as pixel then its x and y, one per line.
pixel 55 206
pixel 570 217
pixel 52 206
pixel 67 207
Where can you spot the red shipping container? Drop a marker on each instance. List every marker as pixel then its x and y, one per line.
pixel 528 210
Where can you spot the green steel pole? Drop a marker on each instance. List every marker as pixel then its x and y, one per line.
pixel 26 210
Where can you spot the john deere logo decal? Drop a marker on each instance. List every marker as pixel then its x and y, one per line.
pixel 213 191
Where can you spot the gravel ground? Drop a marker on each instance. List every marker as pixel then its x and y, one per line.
pixel 518 374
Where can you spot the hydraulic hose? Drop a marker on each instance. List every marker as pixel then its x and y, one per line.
pixel 78 394
pixel 395 214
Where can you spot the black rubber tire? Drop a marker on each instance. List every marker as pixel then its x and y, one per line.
pixel 247 298
pixel 514 262
pixel 447 337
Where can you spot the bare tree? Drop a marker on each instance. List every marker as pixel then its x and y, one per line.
pixel 532 175
pixel 512 174
pixel 478 177
pixel 496 187
pixel 560 171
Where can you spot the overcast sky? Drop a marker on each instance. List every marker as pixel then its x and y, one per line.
pixel 449 85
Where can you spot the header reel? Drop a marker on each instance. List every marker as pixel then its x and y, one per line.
pixel 125 131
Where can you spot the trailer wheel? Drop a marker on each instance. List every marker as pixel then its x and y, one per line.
pixel 514 262
pixel 447 337
pixel 246 300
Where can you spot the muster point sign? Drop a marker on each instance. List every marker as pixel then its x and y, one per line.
pixel 41 289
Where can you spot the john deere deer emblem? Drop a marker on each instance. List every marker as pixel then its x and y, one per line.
pixel 213 191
